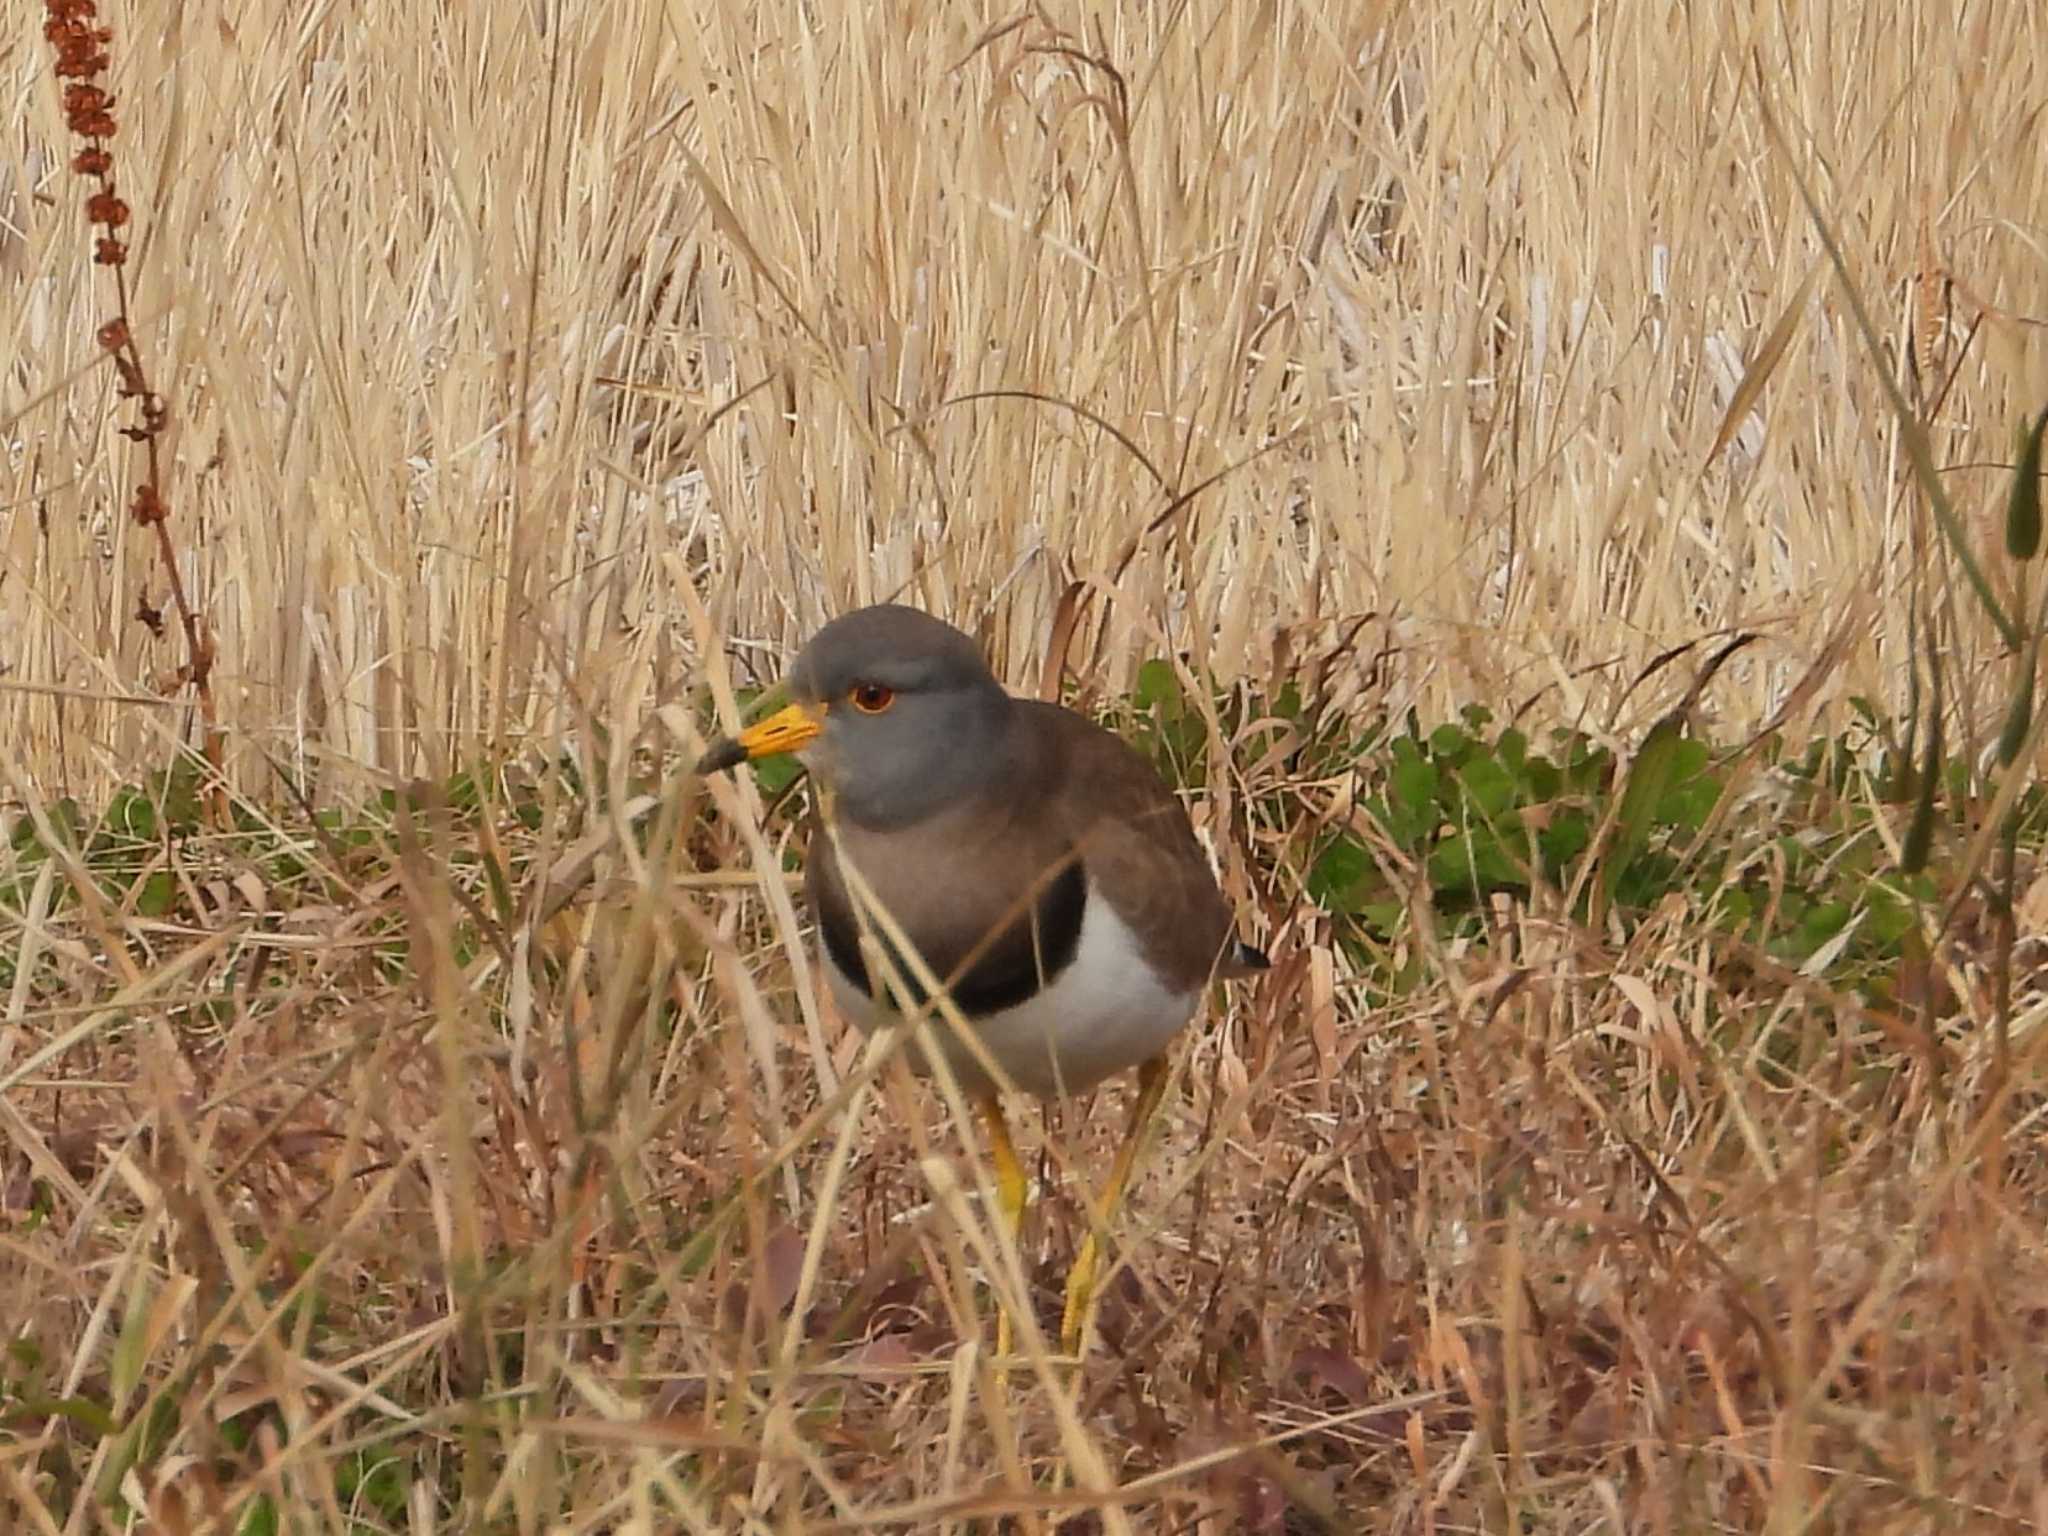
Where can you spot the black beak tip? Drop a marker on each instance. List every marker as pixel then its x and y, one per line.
pixel 722 755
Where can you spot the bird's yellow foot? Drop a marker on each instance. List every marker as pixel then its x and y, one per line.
pixel 1083 1279
pixel 1013 1190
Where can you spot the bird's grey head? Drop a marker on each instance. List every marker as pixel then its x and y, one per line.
pixel 896 713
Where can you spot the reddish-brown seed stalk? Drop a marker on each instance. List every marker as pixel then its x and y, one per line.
pixel 81 47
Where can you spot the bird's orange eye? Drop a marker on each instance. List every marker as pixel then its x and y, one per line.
pixel 871 698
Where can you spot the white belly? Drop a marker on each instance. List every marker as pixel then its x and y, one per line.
pixel 1104 1013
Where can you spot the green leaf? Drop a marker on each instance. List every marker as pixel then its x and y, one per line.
pixel 775 774
pixel 159 894
pixel 1564 840
pixel 1919 840
pixel 1489 788
pixel 1649 778
pixel 1823 922
pixel 1382 916
pixel 131 1343
pixel 1413 782
pixel 177 795
pixel 1693 791
pixel 377 1480
pixel 2019 716
pixel 1585 766
pixel 131 814
pixel 2023 510
pixel 1448 741
pixel 1890 917
pixel 463 792
pixel 1738 905
pixel 1159 688
pixel 1543 778
pixel 1336 879
pixel 1473 862
pixel 81 1411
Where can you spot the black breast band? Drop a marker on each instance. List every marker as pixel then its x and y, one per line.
pixel 1010 968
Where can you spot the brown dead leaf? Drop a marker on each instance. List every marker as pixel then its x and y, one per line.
pixel 781 1269
pixel 1762 366
pixel 1328 1368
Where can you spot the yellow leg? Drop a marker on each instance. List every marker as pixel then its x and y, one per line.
pixel 1013 1190
pixel 1081 1279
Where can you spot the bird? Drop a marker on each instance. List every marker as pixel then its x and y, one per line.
pixel 1046 874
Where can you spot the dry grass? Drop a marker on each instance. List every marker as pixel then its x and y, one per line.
pixel 529 384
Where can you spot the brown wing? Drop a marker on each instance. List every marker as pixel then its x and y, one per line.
pixel 1140 851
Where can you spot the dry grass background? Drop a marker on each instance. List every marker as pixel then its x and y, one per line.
pixel 531 373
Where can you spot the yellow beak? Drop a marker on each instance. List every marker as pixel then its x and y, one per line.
pixel 787 730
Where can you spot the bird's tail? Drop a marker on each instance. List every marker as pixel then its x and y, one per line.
pixel 1240 959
